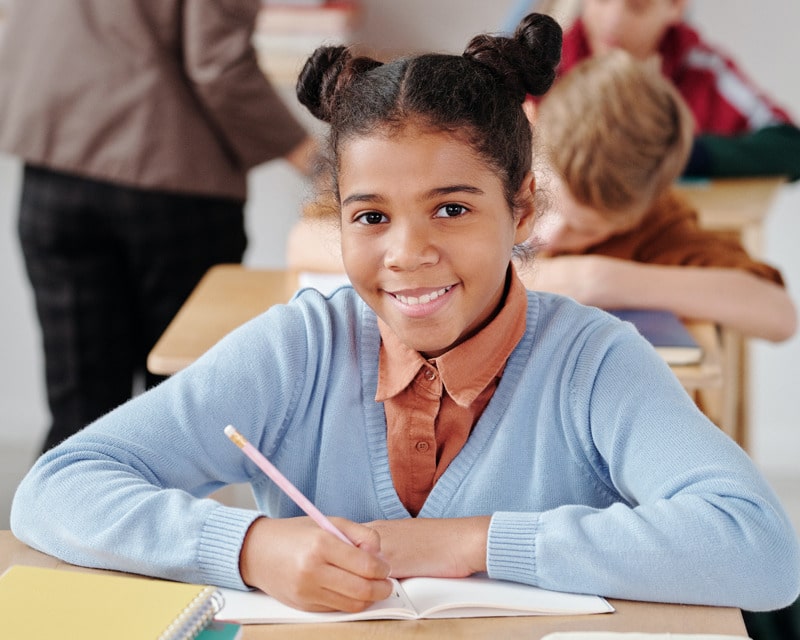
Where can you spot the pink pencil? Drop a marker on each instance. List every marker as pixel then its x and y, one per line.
pixel 283 482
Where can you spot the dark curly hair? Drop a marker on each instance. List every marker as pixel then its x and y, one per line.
pixel 477 95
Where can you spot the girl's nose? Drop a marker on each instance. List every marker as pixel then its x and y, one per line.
pixel 409 247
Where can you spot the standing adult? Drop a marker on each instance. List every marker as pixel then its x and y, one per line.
pixel 137 122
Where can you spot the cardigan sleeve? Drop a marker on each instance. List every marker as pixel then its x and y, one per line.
pixel 129 492
pixel 692 521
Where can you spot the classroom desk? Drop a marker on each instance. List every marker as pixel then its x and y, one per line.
pixel 229 295
pixel 226 297
pixel 735 208
pixel 629 616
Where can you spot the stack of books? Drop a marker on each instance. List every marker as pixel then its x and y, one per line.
pixel 288 31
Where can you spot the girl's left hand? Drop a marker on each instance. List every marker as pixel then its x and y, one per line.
pixel 442 548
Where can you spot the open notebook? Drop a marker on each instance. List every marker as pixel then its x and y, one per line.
pixel 415 598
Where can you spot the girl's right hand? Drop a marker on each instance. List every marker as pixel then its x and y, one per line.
pixel 300 564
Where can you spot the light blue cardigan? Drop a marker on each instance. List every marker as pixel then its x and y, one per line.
pixel 601 474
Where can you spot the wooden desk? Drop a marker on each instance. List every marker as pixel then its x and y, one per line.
pixel 735 208
pixel 230 295
pixel 707 374
pixel 629 616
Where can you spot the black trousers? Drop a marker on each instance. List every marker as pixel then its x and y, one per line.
pixel 110 266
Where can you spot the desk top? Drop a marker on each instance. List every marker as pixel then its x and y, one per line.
pixel 629 616
pixel 706 374
pixel 731 204
pixel 228 295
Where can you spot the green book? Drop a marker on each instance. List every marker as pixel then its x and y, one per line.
pixel 219 630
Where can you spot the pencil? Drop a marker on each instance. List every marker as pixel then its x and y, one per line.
pixel 283 482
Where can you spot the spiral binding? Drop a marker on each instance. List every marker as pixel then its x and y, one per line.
pixel 196 616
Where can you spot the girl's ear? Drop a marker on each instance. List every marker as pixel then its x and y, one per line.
pixel 530 107
pixel 525 211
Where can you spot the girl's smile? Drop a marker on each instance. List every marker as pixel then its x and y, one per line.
pixel 427 234
pixel 418 303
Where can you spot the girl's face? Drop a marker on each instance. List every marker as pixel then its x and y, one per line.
pixel 637 26
pixel 427 234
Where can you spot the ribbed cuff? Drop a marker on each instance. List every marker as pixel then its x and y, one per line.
pixel 221 543
pixel 511 549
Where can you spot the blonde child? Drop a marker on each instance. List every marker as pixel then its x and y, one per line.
pixel 447 420
pixel 615 135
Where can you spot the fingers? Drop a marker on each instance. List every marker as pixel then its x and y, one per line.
pixel 365 539
pixel 302 565
pixel 362 536
pixel 344 591
pixel 333 589
pixel 332 575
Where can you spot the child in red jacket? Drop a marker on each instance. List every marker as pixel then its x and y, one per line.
pixel 739 130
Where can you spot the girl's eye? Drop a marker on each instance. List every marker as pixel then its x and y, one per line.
pixel 451 211
pixel 371 217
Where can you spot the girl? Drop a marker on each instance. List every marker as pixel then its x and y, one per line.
pixel 447 420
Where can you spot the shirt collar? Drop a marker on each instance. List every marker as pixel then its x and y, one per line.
pixel 464 381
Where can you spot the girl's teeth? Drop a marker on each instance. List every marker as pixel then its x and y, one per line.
pixel 424 299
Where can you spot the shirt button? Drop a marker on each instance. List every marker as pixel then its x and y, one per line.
pixel 422 447
pixel 430 374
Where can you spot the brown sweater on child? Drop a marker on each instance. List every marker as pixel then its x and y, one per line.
pixel 670 234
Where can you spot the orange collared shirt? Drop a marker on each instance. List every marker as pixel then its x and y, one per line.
pixel 432 405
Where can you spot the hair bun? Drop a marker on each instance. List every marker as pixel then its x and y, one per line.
pixel 326 72
pixel 527 61
pixel 317 82
pixel 541 36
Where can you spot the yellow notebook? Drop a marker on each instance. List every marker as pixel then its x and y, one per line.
pixel 53 603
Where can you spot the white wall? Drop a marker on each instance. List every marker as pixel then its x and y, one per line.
pixel 21 388
pixel 761 35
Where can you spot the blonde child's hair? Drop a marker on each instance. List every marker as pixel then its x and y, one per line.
pixel 616 132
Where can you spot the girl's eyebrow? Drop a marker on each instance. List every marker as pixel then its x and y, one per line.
pixel 433 193
pixel 456 188
pixel 362 197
